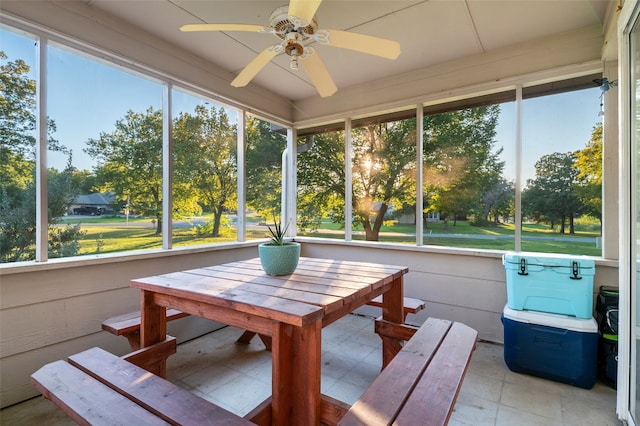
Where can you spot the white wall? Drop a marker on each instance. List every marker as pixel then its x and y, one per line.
pixel 53 310
pixel 463 285
pixel 50 311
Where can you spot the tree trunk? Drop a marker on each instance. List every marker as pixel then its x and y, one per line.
pixel 572 229
pixel 217 217
pixel 158 226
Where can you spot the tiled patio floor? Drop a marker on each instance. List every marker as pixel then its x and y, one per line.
pixel 238 377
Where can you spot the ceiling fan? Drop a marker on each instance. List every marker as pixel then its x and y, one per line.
pixel 296 26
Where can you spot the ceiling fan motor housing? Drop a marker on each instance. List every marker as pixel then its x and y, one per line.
pixel 284 24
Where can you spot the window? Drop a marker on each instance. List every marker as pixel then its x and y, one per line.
pixel 266 143
pixel 383 173
pixel 468 198
pixel 105 172
pixel 562 173
pixel 205 171
pixel 105 165
pixel 17 146
pixel 321 184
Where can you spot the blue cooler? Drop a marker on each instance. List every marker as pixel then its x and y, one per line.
pixel 553 283
pixel 556 347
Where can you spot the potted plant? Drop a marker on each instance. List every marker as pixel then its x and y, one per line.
pixel 279 256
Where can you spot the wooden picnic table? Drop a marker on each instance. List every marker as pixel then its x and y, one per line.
pixel 290 309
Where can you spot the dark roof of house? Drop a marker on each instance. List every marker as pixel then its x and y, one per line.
pixel 96 198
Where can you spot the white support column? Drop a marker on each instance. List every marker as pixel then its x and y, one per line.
pixel 42 198
pixel 167 167
pixel 419 174
pixel 610 152
pixel 518 196
pixel 348 180
pixel 290 184
pixel 241 165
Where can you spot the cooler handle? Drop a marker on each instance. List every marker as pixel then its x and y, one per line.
pixel 523 267
pixel 574 271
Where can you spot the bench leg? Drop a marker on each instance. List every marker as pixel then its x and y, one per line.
pixel 248 335
pixel 134 340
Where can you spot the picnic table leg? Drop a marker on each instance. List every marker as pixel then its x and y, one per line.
pixel 392 311
pixel 296 357
pixel 153 329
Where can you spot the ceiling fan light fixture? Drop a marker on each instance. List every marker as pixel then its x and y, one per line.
pixel 294 48
pixel 294 63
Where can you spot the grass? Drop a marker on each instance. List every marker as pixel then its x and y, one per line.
pixel 114 234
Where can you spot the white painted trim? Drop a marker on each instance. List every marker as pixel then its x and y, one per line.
pixel 518 161
pixel 289 188
pixel 419 174
pixel 167 166
pixel 348 180
pixel 626 346
pixel 464 92
pixel 241 148
pixel 42 196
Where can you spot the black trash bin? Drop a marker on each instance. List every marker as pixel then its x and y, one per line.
pixel 607 318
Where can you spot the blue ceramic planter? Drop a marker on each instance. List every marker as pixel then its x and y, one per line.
pixel 279 260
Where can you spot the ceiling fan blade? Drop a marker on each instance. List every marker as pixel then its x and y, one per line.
pixel 254 67
pixel 226 27
pixel 314 66
pixel 363 43
pixel 304 9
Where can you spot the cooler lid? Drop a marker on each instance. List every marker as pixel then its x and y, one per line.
pixel 567 322
pixel 554 260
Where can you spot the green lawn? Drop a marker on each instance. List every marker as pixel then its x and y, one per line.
pixel 106 234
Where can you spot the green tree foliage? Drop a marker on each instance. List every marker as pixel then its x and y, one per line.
pixel 462 174
pixel 567 185
pixel 17 108
pixel 17 172
pixel 589 179
pixel 551 196
pixel 384 163
pixel 264 167
pixel 205 168
pixel 130 162
pixel 321 180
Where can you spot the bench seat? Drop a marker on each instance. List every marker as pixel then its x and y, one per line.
pixel 128 325
pixel 421 383
pixel 96 387
pixel 410 305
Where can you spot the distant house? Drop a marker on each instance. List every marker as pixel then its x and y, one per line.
pixel 93 204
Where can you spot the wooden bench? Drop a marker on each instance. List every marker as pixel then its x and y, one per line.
pixel 128 325
pixel 97 388
pixel 420 385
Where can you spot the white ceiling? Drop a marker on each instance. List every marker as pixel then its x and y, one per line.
pixel 429 32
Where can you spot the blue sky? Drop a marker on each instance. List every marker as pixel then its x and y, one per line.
pixel 86 97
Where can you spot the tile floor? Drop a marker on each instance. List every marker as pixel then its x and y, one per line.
pixel 238 377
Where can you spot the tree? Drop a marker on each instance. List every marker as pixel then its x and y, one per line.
pixel 588 163
pixel 383 171
pixel 130 162
pixel 459 166
pixel 17 174
pixel 205 161
pixel 321 180
pixel 551 196
pixel 461 169
pixel 264 167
